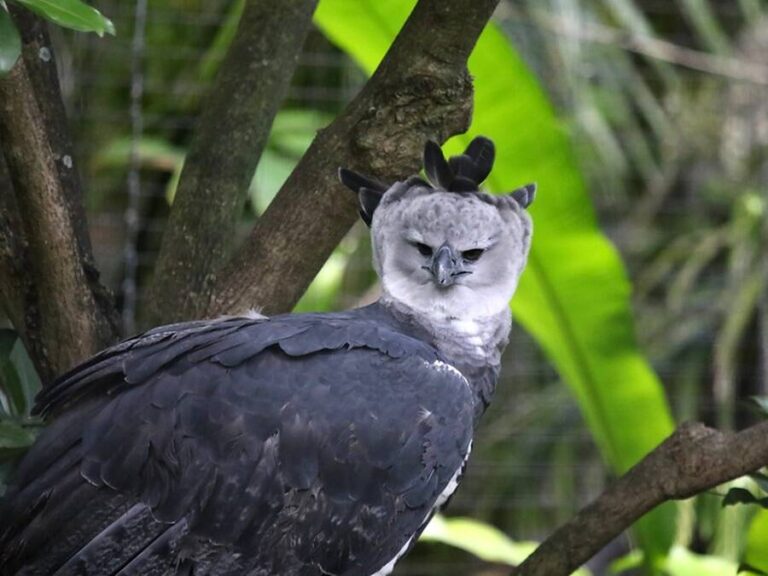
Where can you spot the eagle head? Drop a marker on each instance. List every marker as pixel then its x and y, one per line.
pixel 443 247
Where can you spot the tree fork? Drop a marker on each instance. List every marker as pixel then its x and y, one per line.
pixel 230 136
pixel 421 90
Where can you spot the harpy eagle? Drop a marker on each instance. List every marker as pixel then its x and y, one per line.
pixel 297 445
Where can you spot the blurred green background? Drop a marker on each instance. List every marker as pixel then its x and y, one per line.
pixel 645 302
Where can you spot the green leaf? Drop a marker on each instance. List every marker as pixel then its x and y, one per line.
pixel 630 562
pixel 294 129
pixel 71 14
pixel 762 404
pixel 14 435
pixel 683 562
pixel 481 540
pixel 756 552
pixel 153 153
pixel 28 377
pixel 10 383
pixel 322 293
pixel 749 569
pixel 10 43
pixel 761 480
pixel 574 297
pixel 271 173
pixel 739 496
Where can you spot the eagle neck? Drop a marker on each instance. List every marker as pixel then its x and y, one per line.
pixel 473 346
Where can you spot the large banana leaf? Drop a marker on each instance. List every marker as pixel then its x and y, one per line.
pixel 574 297
pixel 756 554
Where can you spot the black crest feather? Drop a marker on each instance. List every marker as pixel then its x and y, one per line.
pixel 369 191
pixel 524 195
pixel 369 201
pixel 462 173
pixel 355 181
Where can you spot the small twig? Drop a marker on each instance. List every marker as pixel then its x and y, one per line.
pixel 693 459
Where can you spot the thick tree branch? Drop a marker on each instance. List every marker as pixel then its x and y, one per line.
pixel 421 90
pixel 51 293
pixel 695 458
pixel 230 137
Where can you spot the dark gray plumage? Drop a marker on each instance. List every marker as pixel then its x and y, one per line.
pixel 300 445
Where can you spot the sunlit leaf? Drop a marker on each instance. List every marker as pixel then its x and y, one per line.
pixel 745 568
pixel 10 43
pixel 27 374
pixel 322 293
pixel 292 132
pixel 481 540
pixel 683 562
pixel 71 14
pixel 294 129
pixel 630 562
pixel 761 480
pixel 756 553
pixel 574 297
pixel 154 153
pixel 272 172
pixel 10 383
pixel 762 403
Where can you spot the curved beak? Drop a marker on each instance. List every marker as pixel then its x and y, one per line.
pixel 446 265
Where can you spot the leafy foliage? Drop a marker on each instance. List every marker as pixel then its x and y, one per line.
pixel 683 562
pixel 481 540
pixel 10 43
pixel 18 385
pixel 756 552
pixel 72 14
pixel 292 133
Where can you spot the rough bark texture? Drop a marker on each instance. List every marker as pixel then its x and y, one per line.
pixel 230 137
pixel 14 283
pixel 695 458
pixel 50 286
pixel 421 90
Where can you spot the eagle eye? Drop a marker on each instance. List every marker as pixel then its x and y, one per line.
pixel 423 249
pixel 472 255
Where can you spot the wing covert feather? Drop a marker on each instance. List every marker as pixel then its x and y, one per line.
pixel 305 445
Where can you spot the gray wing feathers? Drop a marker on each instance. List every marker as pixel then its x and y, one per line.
pixel 293 439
